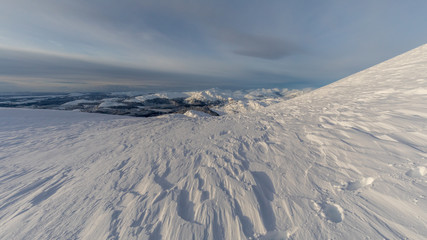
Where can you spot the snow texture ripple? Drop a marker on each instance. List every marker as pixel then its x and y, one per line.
pixel 347 161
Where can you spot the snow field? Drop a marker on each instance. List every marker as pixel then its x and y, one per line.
pixel 347 161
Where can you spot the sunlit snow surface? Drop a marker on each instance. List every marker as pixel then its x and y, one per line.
pixel 347 161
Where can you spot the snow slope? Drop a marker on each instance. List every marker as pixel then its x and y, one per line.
pixel 347 161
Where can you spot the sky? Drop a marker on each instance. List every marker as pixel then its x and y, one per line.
pixel 130 45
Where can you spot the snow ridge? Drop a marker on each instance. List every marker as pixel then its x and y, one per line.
pixel 346 161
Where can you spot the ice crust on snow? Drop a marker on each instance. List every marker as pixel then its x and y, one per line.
pixel 194 114
pixel 360 183
pixel 346 161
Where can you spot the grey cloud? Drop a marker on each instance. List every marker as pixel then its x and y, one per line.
pixel 32 66
pixel 265 51
pixel 200 43
pixel 37 71
pixel 258 46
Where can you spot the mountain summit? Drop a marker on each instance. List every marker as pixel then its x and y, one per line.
pixel 346 161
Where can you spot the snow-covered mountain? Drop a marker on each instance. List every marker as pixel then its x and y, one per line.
pixel 347 161
pixel 139 104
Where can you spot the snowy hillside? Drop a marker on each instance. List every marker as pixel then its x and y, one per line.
pixel 347 161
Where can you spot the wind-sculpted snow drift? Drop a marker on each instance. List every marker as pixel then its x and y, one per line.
pixel 346 161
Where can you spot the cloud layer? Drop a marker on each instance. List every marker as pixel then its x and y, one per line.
pixel 47 72
pixel 195 44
